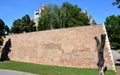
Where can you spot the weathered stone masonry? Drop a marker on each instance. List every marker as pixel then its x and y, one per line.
pixel 71 47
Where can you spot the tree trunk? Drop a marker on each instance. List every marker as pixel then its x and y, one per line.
pixel 100 48
pixel 101 72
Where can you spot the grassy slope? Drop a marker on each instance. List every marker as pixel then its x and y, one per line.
pixel 49 70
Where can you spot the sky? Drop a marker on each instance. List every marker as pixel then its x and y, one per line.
pixel 11 10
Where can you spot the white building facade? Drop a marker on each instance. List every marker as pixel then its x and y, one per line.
pixel 37 15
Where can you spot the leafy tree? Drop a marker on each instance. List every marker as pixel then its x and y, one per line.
pixel 117 3
pixel 73 16
pixel 27 24
pixel 49 18
pixel 67 15
pixel 3 29
pixel 113 28
pixel 23 25
pixel 17 26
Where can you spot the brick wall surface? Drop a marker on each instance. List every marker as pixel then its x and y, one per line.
pixel 71 47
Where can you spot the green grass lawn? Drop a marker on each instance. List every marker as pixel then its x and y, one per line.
pixel 49 70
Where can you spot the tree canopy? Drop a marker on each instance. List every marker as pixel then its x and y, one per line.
pixel 117 3
pixel 112 24
pixel 23 25
pixel 3 30
pixel 68 15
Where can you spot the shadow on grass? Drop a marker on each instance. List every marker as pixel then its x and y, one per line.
pixel 5 51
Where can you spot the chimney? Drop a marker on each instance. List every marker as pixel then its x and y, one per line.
pixel 43 6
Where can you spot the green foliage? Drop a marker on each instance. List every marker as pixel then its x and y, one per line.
pixel 49 18
pixel 73 16
pixel 113 28
pixel 3 30
pixel 23 25
pixel 68 15
pixel 117 3
pixel 49 70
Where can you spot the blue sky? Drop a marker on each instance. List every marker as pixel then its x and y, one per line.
pixel 11 10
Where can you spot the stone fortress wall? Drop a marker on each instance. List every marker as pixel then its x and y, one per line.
pixel 70 47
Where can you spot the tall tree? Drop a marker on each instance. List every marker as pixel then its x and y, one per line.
pixel 73 16
pixel 117 3
pixel 23 25
pixel 3 29
pixel 49 18
pixel 113 28
pixel 17 26
pixel 27 24
pixel 67 15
